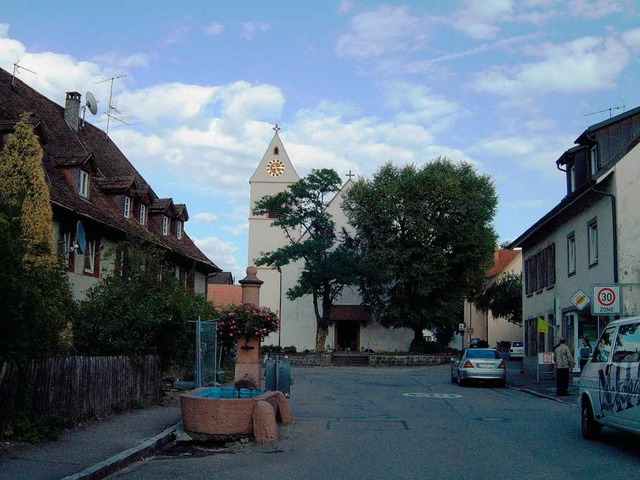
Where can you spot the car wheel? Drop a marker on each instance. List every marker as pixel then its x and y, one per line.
pixel 501 383
pixel 453 379
pixel 461 382
pixel 590 428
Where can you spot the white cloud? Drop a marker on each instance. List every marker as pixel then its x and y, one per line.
pixel 237 230
pixel 214 28
pixel 222 253
pixel 479 19
pixel 117 61
pixel 345 7
pixel 571 67
pixel 381 31
pixel 205 217
pixel 632 39
pixel 250 29
pixel 595 8
pixel 530 152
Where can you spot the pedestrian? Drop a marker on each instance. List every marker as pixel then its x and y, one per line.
pixel 584 353
pixel 564 365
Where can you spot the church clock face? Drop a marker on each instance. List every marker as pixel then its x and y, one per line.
pixel 275 168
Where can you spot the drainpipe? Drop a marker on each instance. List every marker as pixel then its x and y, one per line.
pixel 614 220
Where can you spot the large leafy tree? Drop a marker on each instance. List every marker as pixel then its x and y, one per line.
pixel 142 309
pixel 328 265
pixel 36 302
pixel 426 240
pixel 504 298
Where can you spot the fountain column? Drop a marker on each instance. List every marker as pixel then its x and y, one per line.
pixel 248 366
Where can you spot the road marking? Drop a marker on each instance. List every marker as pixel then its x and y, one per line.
pixel 431 395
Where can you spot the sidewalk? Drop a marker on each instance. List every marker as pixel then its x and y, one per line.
pixel 95 450
pixel 544 387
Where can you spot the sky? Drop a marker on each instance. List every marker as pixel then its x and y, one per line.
pixel 198 86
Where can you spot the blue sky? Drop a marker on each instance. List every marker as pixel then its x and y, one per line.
pixel 507 85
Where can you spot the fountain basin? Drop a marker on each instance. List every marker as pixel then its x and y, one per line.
pixel 216 412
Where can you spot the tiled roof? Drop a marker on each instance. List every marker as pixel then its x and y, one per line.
pixel 350 312
pixel 224 295
pixel 64 148
pixel 221 278
pixel 502 260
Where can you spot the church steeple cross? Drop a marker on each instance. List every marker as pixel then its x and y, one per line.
pixel 276 128
pixel 350 174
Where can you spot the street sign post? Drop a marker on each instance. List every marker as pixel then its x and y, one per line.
pixel 606 300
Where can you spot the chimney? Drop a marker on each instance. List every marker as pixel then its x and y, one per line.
pixel 72 110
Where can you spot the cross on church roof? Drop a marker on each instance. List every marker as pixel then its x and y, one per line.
pixel 276 128
pixel 350 174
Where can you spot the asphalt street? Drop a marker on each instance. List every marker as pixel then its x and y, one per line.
pixel 406 423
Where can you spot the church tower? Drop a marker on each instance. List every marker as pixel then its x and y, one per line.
pixel 274 174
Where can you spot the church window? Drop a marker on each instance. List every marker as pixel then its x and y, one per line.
pixel 275 151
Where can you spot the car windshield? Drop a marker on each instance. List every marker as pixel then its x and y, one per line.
pixel 482 354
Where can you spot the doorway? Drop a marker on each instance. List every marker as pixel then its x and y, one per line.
pixel 347 335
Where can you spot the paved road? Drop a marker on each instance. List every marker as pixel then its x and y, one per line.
pixel 364 423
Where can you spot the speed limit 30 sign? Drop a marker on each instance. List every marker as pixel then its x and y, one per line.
pixel 606 300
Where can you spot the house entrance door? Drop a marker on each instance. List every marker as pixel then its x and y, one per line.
pixel 347 335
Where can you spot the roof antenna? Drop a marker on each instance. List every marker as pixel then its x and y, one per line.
pixel 610 110
pixel 111 107
pixel 16 69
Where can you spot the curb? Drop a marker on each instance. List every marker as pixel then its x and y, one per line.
pixel 544 395
pixel 123 459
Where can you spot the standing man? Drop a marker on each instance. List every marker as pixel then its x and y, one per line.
pixel 564 365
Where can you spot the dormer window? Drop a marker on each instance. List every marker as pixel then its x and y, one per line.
pixel 165 225
pixel 83 184
pixel 179 229
pixel 572 178
pixel 127 207
pixel 593 159
pixel 143 214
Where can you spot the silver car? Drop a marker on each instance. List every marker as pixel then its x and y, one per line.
pixel 479 364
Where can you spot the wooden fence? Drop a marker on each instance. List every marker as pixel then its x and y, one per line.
pixel 76 388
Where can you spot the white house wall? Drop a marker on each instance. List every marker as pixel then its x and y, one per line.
pixel 627 182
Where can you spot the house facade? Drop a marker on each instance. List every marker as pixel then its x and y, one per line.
pixel 98 198
pixel 483 325
pixel 352 329
pixel 586 243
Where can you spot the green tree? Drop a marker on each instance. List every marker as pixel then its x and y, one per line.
pixel 328 265
pixel 142 309
pixel 36 302
pixel 425 239
pixel 504 298
pixel 22 182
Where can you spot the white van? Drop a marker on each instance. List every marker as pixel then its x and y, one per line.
pixel 610 381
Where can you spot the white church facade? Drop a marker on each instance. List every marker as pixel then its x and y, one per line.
pixel 352 328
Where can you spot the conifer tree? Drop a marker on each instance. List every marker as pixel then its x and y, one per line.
pixel 23 183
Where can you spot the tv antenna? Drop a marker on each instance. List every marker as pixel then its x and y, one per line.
pixel 16 70
pixel 610 110
pixel 111 107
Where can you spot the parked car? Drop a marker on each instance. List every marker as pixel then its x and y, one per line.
pixel 516 351
pixel 610 381
pixel 479 364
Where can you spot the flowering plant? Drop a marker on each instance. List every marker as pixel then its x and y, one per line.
pixel 246 320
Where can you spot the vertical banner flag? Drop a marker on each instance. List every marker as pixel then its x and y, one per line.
pixel 543 325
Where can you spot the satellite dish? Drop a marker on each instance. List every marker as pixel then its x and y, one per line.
pixel 92 103
pixel 81 237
